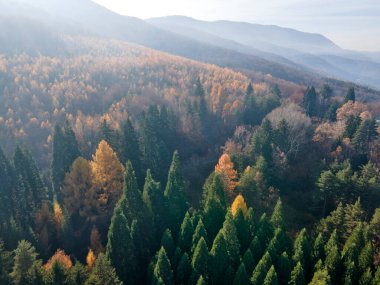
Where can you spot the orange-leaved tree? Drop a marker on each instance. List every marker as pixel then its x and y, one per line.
pixel 225 168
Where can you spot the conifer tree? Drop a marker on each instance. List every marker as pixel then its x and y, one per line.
pixel 186 233
pixel 350 95
pixel 78 274
pixel 297 276
pixel 241 230
pixel 162 269
pixel 219 259
pixel 103 273
pixel 277 219
pixel 232 241
pixel 366 257
pixel 200 258
pixel 256 249
pixel 239 203
pixel 264 230
pixel 201 281
pixel 130 150
pixel 8 189
pixel 200 231
pixel 214 189
pixel 318 248
pixel 167 243
pixel 366 278
pixel 241 276
pixel 261 270
pixel 271 277
pixel 57 275
pixel 310 102
pixel 184 270
pixel 175 195
pixel 248 261
pixel 120 248
pixel 321 277
pixel 302 251
pixel 283 268
pixel 351 273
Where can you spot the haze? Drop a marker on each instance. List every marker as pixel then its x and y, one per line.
pixel 351 24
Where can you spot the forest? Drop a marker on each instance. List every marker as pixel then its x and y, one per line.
pixel 123 165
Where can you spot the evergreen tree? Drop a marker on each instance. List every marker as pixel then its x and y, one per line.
pixel 162 269
pixel 167 243
pixel 366 278
pixel 103 273
pixel 318 248
pixel 200 259
pixel 186 233
pixel 366 257
pixel 25 257
pixel 184 270
pixel 321 277
pixel 65 151
pixel 232 241
pixel 175 195
pixel 130 150
pixel 352 124
pixel 57 275
pixel 350 95
pixel 120 248
pixel 200 231
pixel 277 219
pixel 248 261
pixel 310 102
pixel 271 277
pixel 350 274
pixel 264 230
pixel 297 276
pixel 8 196
pixel 214 189
pixel 283 268
pixel 219 259
pixel 241 276
pixel 365 133
pixel 241 230
pixel 78 274
pixel 261 270
pixel 201 281
pixel 302 251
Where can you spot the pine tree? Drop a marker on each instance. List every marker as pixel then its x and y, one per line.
pixel 297 275
pixel 186 233
pixel 175 195
pixel 302 251
pixel 103 273
pixel 219 259
pixel 232 241
pixel 200 259
pixel 184 270
pixel 120 248
pixel 241 276
pixel 352 124
pixel 365 133
pixel 162 269
pixel 366 257
pixel 271 277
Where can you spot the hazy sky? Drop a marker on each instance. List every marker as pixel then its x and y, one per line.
pixel 352 24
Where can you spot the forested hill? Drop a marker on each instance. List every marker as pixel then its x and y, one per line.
pixel 120 164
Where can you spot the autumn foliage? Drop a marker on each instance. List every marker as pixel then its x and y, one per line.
pixel 60 257
pixel 225 168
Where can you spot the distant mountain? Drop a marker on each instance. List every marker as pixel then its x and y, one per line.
pixel 313 51
pixel 35 26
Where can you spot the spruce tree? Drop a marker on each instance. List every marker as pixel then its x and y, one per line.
pixel 318 248
pixel 103 273
pixel 175 195
pixel 366 257
pixel 261 270
pixel 167 243
pixel 201 281
pixel 277 219
pixel 350 95
pixel 310 102
pixel 248 261
pixel 214 214
pixel 321 277
pixel 283 268
pixel 241 230
pixel 366 278
pixel 302 252
pixel 8 192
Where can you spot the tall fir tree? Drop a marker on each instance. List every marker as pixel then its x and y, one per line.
pixel 219 259
pixel 162 270
pixel 241 276
pixel 232 241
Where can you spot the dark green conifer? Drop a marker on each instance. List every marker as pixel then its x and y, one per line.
pixel 241 276
pixel 219 259
pixel 162 269
pixel 297 276
pixel 271 277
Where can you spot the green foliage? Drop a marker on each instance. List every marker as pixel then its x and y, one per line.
pixel 200 259
pixel 242 230
pixel 277 219
pixel 261 270
pixel 167 243
pixel 199 232
pixel 350 95
pixel 310 102
pixel 297 276
pixel 248 261
pixel 271 278
pixel 103 273
pixel 283 268
pixel 232 241
pixel 186 233
pixel 184 270
pixel 219 259
pixel 175 195
pixel 162 270
pixel 241 276
pixel 321 277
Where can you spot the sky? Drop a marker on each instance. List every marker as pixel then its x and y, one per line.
pixel 352 24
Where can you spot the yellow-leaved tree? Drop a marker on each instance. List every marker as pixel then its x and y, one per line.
pixel 107 180
pixel 225 168
pixel 62 258
pixel 239 203
pixel 90 259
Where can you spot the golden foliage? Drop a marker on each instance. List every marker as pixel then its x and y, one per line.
pixel 239 203
pixel 58 214
pixel 90 259
pixel 225 168
pixel 352 109
pixel 61 258
pixel 96 241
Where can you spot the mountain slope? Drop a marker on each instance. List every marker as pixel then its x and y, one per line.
pixel 312 51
